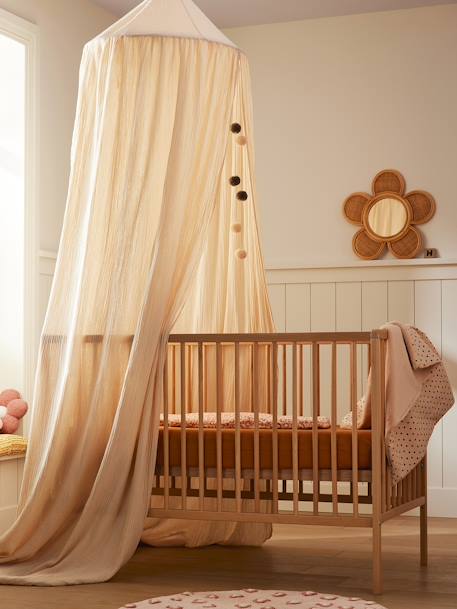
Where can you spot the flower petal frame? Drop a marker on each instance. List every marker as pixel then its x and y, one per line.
pixel 419 207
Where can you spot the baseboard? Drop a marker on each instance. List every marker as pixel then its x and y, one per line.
pixel 442 502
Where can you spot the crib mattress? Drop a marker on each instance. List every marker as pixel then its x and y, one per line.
pixel 305 448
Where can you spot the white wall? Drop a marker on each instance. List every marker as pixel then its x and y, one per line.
pixel 344 299
pixel 335 101
pixel 64 27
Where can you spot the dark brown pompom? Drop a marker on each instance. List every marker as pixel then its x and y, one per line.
pixel 235 180
pixel 242 195
pixel 235 128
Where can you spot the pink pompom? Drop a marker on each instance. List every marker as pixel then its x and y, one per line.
pixel 17 408
pixel 10 424
pixel 8 395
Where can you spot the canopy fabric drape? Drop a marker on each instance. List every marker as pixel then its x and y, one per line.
pixel 148 245
pixel 229 295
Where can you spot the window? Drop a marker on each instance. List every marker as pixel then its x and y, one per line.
pixel 17 202
pixel 12 144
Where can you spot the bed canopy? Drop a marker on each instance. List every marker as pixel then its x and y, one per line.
pixel 160 235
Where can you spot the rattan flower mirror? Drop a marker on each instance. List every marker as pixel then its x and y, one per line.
pixel 388 217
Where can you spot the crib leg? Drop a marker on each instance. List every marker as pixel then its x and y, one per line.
pixel 423 535
pixel 377 559
pixel 423 515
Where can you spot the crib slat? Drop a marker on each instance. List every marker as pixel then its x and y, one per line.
pixel 173 374
pixel 300 380
pixel 334 455
pixel 284 379
pixel 368 360
pixel 405 489
pixel 315 436
pixel 388 489
pixel 416 483
pixel 166 449
pixel 355 445
pixel 189 396
pixel 318 376
pixel 409 487
pixel 383 424
pixel 255 394
pixel 237 430
pixel 268 367
pixel 400 493
pixel 219 409
pixel 201 447
pixel 275 506
pixel 204 364
pixel 183 427
pixel 294 429
pixel 394 496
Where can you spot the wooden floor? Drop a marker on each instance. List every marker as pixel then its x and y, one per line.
pixel 296 558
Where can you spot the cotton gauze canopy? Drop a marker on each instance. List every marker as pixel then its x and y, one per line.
pixel 156 238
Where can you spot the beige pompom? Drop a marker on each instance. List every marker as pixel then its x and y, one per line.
pixel 241 254
pixel 242 140
pixel 236 228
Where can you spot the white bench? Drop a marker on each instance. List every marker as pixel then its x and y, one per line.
pixel 11 468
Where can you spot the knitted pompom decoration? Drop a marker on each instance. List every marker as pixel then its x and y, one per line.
pixel 8 395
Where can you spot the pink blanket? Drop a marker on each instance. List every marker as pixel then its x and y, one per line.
pixel 418 395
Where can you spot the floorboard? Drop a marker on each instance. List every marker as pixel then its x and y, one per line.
pixel 296 558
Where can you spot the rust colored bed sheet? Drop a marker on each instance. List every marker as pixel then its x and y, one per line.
pixel 305 448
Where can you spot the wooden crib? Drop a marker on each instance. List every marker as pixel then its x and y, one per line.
pixel 311 476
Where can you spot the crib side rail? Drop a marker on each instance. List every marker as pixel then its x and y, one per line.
pixel 290 375
pixel 278 337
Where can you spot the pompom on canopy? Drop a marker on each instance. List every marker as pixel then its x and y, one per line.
pixel 12 409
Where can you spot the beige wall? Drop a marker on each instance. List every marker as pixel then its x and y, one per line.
pixel 336 100
pixel 64 27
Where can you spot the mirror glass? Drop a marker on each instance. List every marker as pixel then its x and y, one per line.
pixel 387 217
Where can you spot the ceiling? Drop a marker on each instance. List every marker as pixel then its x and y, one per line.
pixel 234 13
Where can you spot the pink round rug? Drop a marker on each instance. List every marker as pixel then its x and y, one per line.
pixel 250 598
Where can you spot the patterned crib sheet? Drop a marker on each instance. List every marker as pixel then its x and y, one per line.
pixel 247 421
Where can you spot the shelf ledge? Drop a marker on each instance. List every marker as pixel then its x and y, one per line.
pixel 367 264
